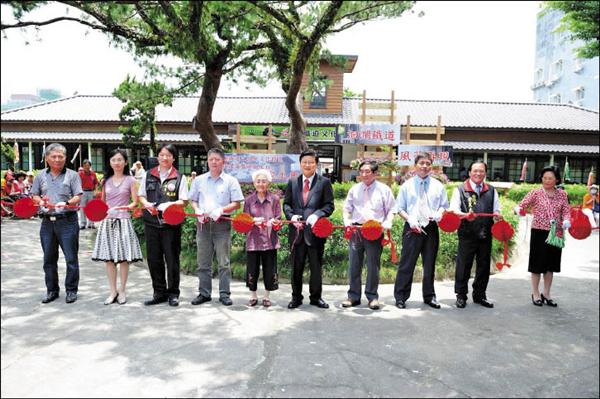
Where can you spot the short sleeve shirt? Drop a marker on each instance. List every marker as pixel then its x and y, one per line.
pixel 58 189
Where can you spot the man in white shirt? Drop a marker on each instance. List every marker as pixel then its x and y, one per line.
pixel 421 202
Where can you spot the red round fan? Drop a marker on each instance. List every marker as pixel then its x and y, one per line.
pixel 503 231
pixel 96 210
pixel 348 231
pixel 322 228
pixel 450 222
pixel 580 225
pixel 174 215
pixel 371 230
pixel 242 223
pixel 25 208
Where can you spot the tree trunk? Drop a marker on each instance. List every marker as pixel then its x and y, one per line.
pixel 204 124
pixel 293 102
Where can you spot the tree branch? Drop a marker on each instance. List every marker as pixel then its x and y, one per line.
pixel 155 29
pixel 279 16
pixel 171 14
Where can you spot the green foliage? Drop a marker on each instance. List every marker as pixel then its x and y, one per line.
pixel 581 19
pixel 574 191
pixel 141 100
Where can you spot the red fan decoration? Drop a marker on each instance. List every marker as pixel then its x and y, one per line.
pixel 580 225
pixel 276 225
pixel 371 230
pixel 174 215
pixel 96 210
pixel 25 208
pixel 450 222
pixel 137 212
pixel 503 231
pixel 348 231
pixel 523 212
pixel 322 228
pixel 242 223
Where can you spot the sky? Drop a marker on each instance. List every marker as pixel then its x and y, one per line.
pixel 477 51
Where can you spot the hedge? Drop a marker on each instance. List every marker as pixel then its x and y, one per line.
pixel 335 259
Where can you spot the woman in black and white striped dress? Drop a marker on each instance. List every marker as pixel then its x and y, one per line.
pixel 116 242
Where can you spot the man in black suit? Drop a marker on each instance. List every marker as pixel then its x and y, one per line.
pixel 307 198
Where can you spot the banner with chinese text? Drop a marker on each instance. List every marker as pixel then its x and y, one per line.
pixel 441 154
pixel 372 134
pixel 312 133
pixel 281 166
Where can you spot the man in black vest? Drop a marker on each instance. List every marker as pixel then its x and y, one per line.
pixel 161 187
pixel 474 234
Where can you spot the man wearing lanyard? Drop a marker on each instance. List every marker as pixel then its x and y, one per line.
pixel 474 235
pixel 89 182
pixel 59 186
pixel 368 200
pixel 214 194
pixel 421 202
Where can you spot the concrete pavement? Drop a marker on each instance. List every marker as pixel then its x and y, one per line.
pixel 87 349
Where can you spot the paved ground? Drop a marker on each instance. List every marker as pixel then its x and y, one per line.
pixel 87 349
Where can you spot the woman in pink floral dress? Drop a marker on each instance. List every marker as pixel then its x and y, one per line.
pixel 549 205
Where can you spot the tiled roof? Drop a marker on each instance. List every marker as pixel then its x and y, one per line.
pixel 521 147
pixel 264 110
pixel 102 136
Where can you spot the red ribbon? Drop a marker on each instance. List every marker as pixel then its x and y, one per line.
pixel 390 242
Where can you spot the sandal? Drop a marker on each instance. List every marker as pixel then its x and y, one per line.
pixel 266 302
pixel 252 302
pixel 121 299
pixel 110 299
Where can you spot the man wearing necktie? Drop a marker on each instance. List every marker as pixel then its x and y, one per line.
pixel 474 235
pixel 368 200
pixel 307 197
pixel 421 202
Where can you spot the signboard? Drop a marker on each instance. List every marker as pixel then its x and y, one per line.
pixel 281 166
pixel 312 133
pixel 372 134
pixel 441 154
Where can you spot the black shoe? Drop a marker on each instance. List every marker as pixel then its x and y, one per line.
pixel 225 300
pixel 320 304
pixel 401 304
pixel 433 303
pixel 294 303
pixel 461 303
pixel 536 302
pixel 350 303
pixel 71 297
pixel 484 302
pixel 81 227
pixel 50 296
pixel 548 302
pixel 173 301
pixel 200 299
pixel 155 300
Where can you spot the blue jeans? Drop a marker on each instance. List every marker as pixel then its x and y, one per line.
pixel 63 232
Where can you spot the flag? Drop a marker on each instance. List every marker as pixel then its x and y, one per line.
pixel 524 171
pixel 590 177
pixel 76 152
pixel 567 173
pixel 16 153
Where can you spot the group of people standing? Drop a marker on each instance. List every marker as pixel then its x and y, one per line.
pixel 215 195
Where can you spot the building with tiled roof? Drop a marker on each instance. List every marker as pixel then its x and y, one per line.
pixel 502 133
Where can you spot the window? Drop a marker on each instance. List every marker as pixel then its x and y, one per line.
pixel 554 98
pixel 184 164
pixel 557 68
pixel 97 159
pixel 319 94
pixel 25 158
pixel 539 75
pixel 579 93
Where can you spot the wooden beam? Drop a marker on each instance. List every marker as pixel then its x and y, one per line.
pixel 438 130
pixel 364 107
pixel 392 106
pixel 426 142
pixel 237 137
pixel 371 105
pixel 378 118
pixel 407 129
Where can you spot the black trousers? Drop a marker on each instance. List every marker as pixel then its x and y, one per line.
pixel 163 246
pixel 300 252
pixel 268 259
pixel 413 245
pixel 469 249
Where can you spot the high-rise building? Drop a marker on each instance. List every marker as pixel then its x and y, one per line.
pixel 559 75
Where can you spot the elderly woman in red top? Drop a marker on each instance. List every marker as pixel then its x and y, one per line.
pixel 548 205
pixel 262 242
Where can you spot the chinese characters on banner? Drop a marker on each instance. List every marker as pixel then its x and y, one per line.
pixel 372 134
pixel 281 166
pixel 312 133
pixel 441 154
